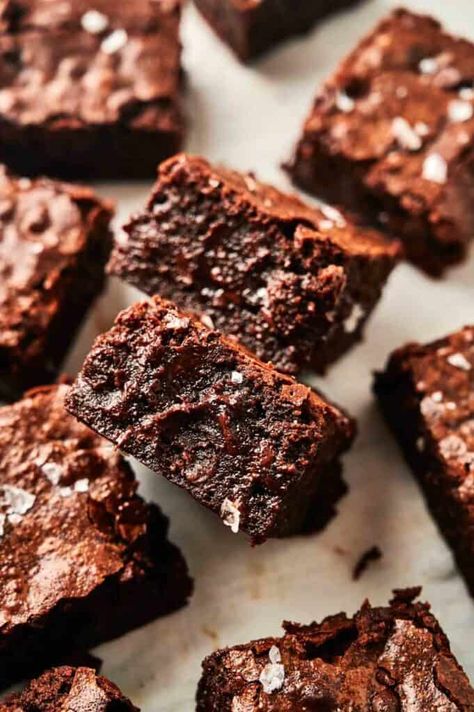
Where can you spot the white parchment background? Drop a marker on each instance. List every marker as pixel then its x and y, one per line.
pixel 249 118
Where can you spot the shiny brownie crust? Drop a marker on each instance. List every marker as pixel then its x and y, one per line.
pixel 249 443
pixel 83 558
pixel 252 27
pixel 54 242
pixel 68 688
pixel 393 659
pixel 292 283
pixel 87 90
pixel 391 135
pixel 426 394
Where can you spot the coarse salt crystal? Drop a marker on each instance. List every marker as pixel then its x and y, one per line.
pixel 459 361
pixel 94 22
pixel 459 111
pixel 421 128
pixel 114 42
pixel 207 321
pixel 405 134
pixel 272 676
pixel 52 471
pixel 236 377
pixel 326 225
pixel 466 93
pixel 435 169
pixel 16 500
pixel 353 320
pixel 333 214
pixel 344 102
pixel 230 515
pixel 81 485
pixel 429 65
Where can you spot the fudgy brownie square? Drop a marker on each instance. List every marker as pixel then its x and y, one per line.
pixel 83 558
pixel 294 284
pixel 69 689
pixel 89 90
pixel 251 27
pixel 54 243
pixel 392 659
pixel 391 136
pixel 249 443
pixel 427 397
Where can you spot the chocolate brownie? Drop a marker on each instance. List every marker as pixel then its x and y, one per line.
pixel 83 558
pixel 54 242
pixel 251 27
pixel 294 284
pixel 427 396
pixel 393 659
pixel 69 689
pixel 89 90
pixel 391 137
pixel 246 441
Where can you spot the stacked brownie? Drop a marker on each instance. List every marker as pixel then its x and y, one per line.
pixel 89 90
pixel 391 137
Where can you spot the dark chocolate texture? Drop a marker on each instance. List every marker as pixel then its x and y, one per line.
pixel 391 136
pixel 294 284
pixel 246 441
pixel 426 393
pixel 393 659
pixel 83 558
pixel 89 91
pixel 54 242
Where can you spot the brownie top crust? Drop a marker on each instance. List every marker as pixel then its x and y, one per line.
pixel 45 226
pixel 400 110
pixel 68 61
pixel 393 659
pixel 69 689
pixel 69 514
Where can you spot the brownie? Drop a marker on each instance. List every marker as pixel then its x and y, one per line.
pixel 294 284
pixel 392 659
pixel 251 27
pixel 391 136
pixel 246 441
pixel 426 394
pixel 54 243
pixel 83 558
pixel 89 90
pixel 71 690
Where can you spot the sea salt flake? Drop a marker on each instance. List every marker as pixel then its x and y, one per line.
pixel 430 408
pixel 452 446
pixel 3 519
pixel 353 320
pixel 214 183
pixel 333 214
pixel 344 102
pixel 272 676
pixel 326 225
pixel 207 321
pixel 52 471
pixel 81 485
pixel 16 500
pixel 114 42
pixel 94 22
pixel 405 134
pixel 459 111
pixel 428 65
pixel 421 128
pixel 435 169
pixel 236 377
pixel 230 515
pixel 65 492
pixel 466 93
pixel 459 361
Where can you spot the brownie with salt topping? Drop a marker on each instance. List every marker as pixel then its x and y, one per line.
pixel 391 136
pixel 72 689
pixel 426 393
pixel 54 242
pixel 391 659
pixel 251 444
pixel 83 558
pixel 251 27
pixel 293 283
pixel 89 90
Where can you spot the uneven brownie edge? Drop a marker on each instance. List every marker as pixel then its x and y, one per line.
pixel 426 394
pixel 249 443
pixel 83 559
pixel 392 659
pixel 390 138
pixel 251 31
pixel 104 114
pixel 56 240
pixel 294 284
pixel 68 688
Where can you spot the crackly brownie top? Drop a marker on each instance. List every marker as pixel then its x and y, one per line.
pixel 88 64
pixel 441 375
pixel 69 515
pixel 402 106
pixel 44 227
pixel 68 689
pixel 393 659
